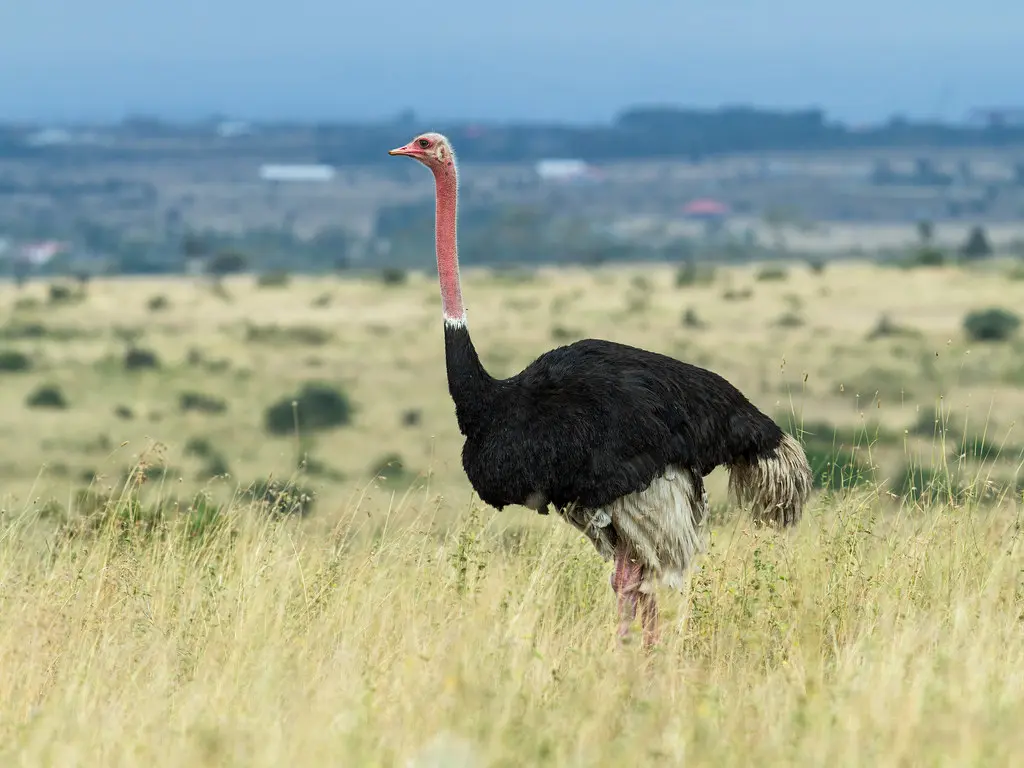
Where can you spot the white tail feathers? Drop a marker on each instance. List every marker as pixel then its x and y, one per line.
pixel 775 486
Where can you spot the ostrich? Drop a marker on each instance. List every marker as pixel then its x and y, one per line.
pixel 617 439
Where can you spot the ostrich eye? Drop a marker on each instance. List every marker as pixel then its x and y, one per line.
pixel 423 143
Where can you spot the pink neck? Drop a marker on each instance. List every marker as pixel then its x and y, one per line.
pixel 447 184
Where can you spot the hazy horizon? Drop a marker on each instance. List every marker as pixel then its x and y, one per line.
pixel 535 60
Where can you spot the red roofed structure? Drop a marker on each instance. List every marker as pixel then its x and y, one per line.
pixel 705 207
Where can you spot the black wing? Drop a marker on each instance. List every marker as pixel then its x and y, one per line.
pixel 596 420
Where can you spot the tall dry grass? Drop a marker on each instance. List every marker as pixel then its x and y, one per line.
pixel 428 631
pixel 875 634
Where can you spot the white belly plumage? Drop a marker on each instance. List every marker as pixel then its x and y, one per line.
pixel 664 525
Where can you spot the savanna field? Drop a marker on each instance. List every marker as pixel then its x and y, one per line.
pixel 236 531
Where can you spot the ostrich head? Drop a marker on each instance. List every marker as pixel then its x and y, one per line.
pixel 431 149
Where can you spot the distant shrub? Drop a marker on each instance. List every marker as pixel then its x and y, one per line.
pixel 275 279
pixel 323 300
pixel 127 515
pixel 227 263
pixel 691 274
pixel 561 333
pixel 317 406
pixel 789 320
pixel 770 274
pixel 835 468
pixel 925 484
pixel 200 447
pixel 885 327
pixel 24 331
pixel 512 275
pixel 214 466
pixel 638 303
pixel 991 324
pixel 411 417
pixel 13 361
pixel 393 276
pixel 197 401
pixel 691 320
pixel 737 294
pixel 157 303
pixel 47 396
pixel 281 498
pixel 137 358
pixel 300 334
pixel 61 293
pixel 926 256
pixel 146 473
pixel 816 265
pixel 976 246
pixel 124 412
pixel 390 469
pixel 641 283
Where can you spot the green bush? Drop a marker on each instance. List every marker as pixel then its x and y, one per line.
pixel 789 320
pixel 128 516
pixel 276 279
pixel 885 327
pixel 197 401
pixel 137 358
pixel 47 396
pixel 300 334
pixel 976 246
pixel 991 325
pixel 215 466
pixel 281 498
pixel 317 406
pixel 390 469
pixel 690 319
pixel 772 274
pixel 737 294
pixel 227 263
pixel 61 293
pixel 393 276
pixel 158 303
pixel 832 454
pixel 13 361
pixel 926 256
pixel 921 484
pixel 690 274
pixel 199 446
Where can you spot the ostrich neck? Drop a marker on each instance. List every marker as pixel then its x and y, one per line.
pixel 468 383
pixel 446 244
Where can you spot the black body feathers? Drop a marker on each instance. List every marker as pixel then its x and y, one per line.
pixel 594 421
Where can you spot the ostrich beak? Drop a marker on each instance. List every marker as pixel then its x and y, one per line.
pixel 406 150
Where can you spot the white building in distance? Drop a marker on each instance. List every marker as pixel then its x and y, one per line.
pixel 564 169
pixel 307 173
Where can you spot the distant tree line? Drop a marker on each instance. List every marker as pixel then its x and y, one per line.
pixel 639 132
pixel 659 132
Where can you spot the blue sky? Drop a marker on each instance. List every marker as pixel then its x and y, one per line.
pixel 579 60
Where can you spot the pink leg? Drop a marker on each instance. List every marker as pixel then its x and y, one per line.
pixel 625 581
pixel 649 619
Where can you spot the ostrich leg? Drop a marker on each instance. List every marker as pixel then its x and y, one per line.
pixel 625 581
pixel 649 619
